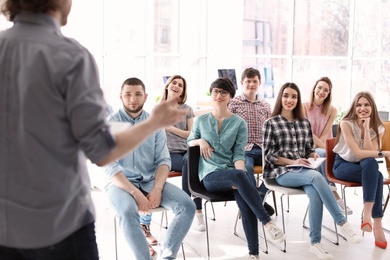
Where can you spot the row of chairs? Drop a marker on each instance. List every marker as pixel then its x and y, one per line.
pixel 197 189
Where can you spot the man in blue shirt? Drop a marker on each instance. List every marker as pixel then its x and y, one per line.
pixel 138 181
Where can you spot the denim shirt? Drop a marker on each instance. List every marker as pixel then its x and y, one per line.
pixel 140 165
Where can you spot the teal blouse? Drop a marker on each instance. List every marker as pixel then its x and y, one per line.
pixel 228 144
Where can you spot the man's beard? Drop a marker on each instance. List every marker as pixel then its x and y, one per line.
pixel 136 110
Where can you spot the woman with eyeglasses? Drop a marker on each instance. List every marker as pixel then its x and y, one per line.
pixel 221 137
pixel 321 115
pixel 288 140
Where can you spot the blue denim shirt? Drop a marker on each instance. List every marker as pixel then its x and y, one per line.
pixel 140 165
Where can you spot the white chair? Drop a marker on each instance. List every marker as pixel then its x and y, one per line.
pixel 271 184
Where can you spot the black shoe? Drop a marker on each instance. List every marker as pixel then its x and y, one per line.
pixel 270 210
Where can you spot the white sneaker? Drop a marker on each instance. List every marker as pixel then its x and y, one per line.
pixel 200 226
pixel 254 257
pixel 340 202
pixel 275 232
pixel 350 234
pixel 319 250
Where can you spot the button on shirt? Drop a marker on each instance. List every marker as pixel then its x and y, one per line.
pixel 288 139
pixel 254 113
pixel 140 165
pixel 51 116
pixel 228 143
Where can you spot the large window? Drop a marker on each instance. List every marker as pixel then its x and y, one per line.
pixel 303 40
pixel 297 40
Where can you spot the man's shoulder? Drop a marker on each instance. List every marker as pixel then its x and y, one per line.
pixel 238 99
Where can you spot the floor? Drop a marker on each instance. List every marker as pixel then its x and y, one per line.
pixel 225 245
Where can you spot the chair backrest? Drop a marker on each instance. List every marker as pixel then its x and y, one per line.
pixel 194 184
pixel 330 155
pixel 386 143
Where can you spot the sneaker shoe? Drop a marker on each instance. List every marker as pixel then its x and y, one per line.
pixel 152 252
pixel 275 232
pixel 349 234
pixel 319 250
pixel 149 237
pixel 254 257
pixel 332 186
pixel 200 226
pixel 340 202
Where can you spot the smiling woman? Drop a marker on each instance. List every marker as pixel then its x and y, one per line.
pixel 358 143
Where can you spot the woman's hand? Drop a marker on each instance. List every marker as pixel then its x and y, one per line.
pixel 386 154
pixel 302 161
pixel 314 155
pixel 365 122
pixel 206 151
pixel 169 128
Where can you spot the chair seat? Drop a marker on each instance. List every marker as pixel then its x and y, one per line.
pixel 174 174
pixel 213 197
pixel 271 184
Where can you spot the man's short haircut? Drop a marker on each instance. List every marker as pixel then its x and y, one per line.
pixel 11 8
pixel 133 82
pixel 250 73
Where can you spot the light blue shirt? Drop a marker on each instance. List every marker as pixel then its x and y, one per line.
pixel 140 165
pixel 228 144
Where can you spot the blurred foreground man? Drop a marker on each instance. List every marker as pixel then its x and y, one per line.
pixel 52 118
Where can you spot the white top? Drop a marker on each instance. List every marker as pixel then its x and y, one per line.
pixel 342 148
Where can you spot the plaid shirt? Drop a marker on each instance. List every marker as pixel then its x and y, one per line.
pixel 254 113
pixel 283 138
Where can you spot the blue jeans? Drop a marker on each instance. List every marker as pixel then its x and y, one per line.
pixel 81 245
pixel 365 172
pixel 319 194
pixel 322 153
pixel 145 219
pixel 252 158
pixel 179 164
pixel 247 198
pixel 173 199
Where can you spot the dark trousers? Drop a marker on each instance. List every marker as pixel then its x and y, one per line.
pixel 81 245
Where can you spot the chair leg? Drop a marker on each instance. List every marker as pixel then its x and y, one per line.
pixel 116 239
pixel 212 208
pixel 275 207
pixel 207 230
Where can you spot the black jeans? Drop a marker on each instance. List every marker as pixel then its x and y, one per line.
pixel 81 245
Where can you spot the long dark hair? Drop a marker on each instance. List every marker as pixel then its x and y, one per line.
pixel 298 110
pixel 350 115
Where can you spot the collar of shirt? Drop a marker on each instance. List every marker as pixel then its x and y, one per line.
pixel 38 19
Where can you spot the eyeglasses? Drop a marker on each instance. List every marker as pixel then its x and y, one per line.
pixel 223 93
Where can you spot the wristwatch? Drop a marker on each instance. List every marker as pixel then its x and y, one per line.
pixel 380 154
